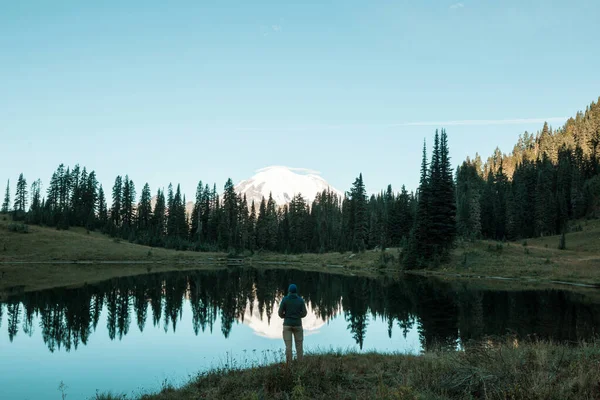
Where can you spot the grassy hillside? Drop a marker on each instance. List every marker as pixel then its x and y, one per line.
pixel 489 370
pixel 534 258
pixel 537 259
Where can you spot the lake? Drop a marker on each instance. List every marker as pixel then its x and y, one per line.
pixel 135 334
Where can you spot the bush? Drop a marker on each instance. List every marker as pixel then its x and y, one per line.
pixel 18 228
pixel 385 259
pixel 497 249
pixel 562 244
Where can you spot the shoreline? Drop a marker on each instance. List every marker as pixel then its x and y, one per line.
pixel 46 258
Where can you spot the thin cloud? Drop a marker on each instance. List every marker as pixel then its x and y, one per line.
pixel 457 5
pixel 265 30
pixel 484 122
pixel 305 171
pixel 366 126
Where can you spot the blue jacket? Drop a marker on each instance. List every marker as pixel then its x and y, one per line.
pixel 292 309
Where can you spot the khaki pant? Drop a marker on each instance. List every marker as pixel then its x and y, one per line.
pixel 298 333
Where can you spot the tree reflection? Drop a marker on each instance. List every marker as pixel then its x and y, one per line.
pixel 445 314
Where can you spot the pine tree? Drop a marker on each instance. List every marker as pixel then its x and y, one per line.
pixel 115 211
pixel 177 216
pixel 159 218
pixel 171 218
pixel 229 223
pixel 447 211
pixel 261 226
pixel 35 212
pixel 297 220
pixel 501 187
pixel 20 206
pixel 488 214
pixel 405 215
pixel 468 189
pixel 545 208
pixel 271 224
pixel 359 217
pixel 144 212
pixel 419 249
pixel 89 201
pixel 436 230
pixel 127 206
pixel 252 228
pixel 102 209
pixel 6 204
pixel 74 197
pixel 243 222
pixel 196 218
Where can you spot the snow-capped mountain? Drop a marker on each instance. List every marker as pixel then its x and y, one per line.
pixel 283 183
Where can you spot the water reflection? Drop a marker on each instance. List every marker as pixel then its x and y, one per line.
pixel 444 313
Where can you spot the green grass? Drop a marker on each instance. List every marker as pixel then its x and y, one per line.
pixel 540 260
pixel 503 369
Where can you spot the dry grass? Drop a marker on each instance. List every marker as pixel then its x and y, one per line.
pixel 490 370
pixel 538 259
pixel 48 244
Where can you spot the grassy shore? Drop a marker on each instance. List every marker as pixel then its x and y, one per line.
pixel 539 260
pixel 502 369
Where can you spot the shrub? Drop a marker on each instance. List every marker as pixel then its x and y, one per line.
pixel 562 244
pixel 18 228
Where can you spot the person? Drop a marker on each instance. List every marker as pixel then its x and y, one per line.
pixel 292 309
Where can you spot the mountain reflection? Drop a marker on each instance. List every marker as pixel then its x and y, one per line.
pixel 445 314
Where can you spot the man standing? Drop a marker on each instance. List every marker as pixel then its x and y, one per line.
pixel 292 309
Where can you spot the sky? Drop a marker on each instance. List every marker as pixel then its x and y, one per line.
pixel 209 90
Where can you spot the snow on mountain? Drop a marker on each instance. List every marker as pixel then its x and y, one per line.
pixel 283 183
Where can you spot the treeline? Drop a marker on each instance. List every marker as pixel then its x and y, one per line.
pixel 548 179
pixel 218 222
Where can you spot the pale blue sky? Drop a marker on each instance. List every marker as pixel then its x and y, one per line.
pixel 215 89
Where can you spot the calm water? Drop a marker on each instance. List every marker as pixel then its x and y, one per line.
pixel 132 334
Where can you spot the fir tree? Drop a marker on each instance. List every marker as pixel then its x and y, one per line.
pixel 359 217
pixel 159 219
pixel 446 213
pixel 196 218
pixel 252 228
pixel 144 212
pixel 271 224
pixel 419 248
pixel 229 222
pixel 20 206
pixel 6 203
pixel 89 200
pixel 243 222
pixel 102 209
pixel 115 211
pixel 128 205
pixel 35 212
pixel 261 226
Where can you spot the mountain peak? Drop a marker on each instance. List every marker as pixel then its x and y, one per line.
pixel 283 183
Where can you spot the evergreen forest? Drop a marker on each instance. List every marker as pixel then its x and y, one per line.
pixel 548 179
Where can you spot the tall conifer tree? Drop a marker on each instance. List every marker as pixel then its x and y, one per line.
pixel 6 202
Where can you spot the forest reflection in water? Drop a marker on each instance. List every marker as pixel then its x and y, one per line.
pixel 446 314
